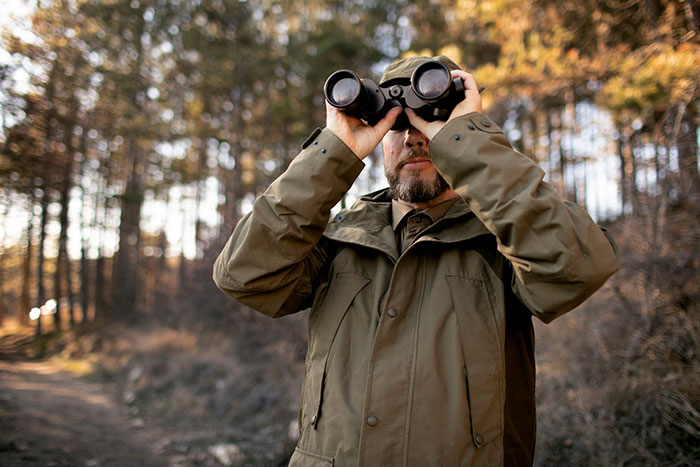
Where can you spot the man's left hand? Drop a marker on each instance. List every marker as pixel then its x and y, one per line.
pixel 471 103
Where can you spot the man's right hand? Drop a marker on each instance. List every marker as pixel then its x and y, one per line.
pixel 359 137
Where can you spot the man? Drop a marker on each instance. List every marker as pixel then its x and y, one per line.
pixel 421 295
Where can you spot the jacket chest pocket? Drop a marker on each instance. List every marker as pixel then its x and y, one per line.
pixel 482 335
pixel 326 316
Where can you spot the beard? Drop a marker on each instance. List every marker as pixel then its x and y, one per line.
pixel 414 189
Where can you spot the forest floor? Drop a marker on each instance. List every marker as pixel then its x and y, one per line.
pixel 51 417
pixel 141 395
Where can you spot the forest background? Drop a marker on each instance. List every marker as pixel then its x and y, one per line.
pixel 135 134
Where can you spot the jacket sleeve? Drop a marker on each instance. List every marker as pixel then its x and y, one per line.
pixel 559 255
pixel 275 253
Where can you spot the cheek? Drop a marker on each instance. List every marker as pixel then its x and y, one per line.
pixel 387 166
pixel 386 155
pixel 389 148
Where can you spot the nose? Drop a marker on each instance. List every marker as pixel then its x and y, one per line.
pixel 414 138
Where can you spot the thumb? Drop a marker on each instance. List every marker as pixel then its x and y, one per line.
pixel 385 124
pixel 416 122
pixel 429 129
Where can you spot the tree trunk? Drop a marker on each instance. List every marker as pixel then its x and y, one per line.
pixel 201 186
pixel 183 284
pixel 41 292
pixel 232 180
pixel 563 162
pixel 102 294
pixel 125 269
pixel 549 150
pixel 84 272
pixel 4 209
pixel 633 143
pixel 163 245
pixel 624 173
pixel 84 264
pixel 572 130
pixel 60 261
pixel 63 261
pixel 49 155
pixel 25 302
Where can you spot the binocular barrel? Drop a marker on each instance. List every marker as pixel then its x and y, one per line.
pixel 343 88
pixel 357 97
pixel 431 93
pixel 431 81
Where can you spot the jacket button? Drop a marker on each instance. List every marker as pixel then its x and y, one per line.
pixel 486 123
pixel 313 419
pixel 372 420
pixel 392 312
pixel 478 439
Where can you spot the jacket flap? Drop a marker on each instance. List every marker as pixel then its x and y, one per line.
pixel 302 458
pixel 325 318
pixel 482 349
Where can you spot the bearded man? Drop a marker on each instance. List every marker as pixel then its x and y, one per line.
pixel 420 334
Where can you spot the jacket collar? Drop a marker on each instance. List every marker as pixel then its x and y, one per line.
pixel 368 223
pixel 399 211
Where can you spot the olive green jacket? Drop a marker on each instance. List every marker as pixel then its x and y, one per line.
pixel 426 358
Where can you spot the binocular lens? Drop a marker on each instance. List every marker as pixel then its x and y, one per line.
pixel 430 92
pixel 432 83
pixel 345 91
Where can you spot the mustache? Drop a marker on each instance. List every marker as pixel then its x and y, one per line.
pixel 414 153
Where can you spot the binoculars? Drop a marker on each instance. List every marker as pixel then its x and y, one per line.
pixel 431 93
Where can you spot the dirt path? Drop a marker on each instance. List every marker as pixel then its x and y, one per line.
pixel 49 417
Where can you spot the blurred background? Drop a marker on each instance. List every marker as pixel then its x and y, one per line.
pixel 134 134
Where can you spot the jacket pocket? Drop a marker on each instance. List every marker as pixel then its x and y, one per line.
pixel 325 319
pixel 301 458
pixel 483 349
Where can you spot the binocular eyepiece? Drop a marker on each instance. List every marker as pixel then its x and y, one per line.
pixel 431 93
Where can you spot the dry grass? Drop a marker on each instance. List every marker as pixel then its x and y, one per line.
pixel 619 378
pixel 208 371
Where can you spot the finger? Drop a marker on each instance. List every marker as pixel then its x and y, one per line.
pixel 332 115
pixel 416 121
pixel 467 79
pixel 338 120
pixel 330 110
pixel 385 124
pixel 472 95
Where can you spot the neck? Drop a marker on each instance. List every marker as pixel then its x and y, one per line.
pixel 444 196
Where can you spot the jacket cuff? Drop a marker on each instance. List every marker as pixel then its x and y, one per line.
pixel 472 125
pixel 324 142
pixel 320 175
pixel 470 143
pixel 324 146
